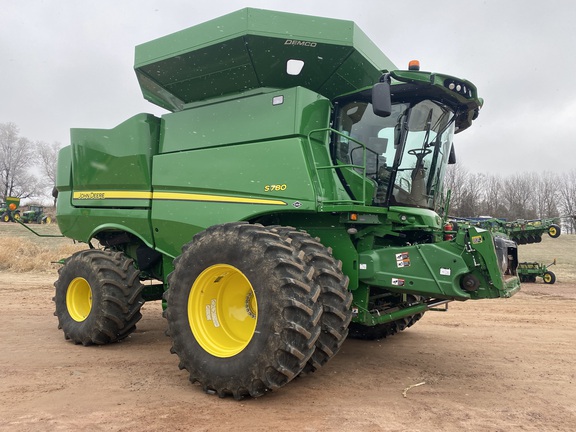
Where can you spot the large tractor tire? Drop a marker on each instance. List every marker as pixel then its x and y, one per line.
pixel 98 297
pixel 5 217
pixel 335 297
pixel 381 331
pixel 243 310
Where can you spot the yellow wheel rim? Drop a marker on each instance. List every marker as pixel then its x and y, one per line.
pixel 547 278
pixel 79 299
pixel 552 231
pixel 48 220
pixel 222 310
pixel 6 218
pixel 17 216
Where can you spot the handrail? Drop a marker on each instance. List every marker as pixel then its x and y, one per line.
pixel 334 167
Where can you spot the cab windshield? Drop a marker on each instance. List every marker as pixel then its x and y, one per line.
pixel 406 153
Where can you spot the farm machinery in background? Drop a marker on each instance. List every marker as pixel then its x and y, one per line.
pixel 9 211
pixel 529 271
pixel 284 203
pixel 35 214
pixel 522 232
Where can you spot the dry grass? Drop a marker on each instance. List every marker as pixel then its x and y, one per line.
pixel 22 255
pixel 22 251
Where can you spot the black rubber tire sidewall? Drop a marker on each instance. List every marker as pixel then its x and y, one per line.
pixel 552 277
pixel 116 297
pixel 255 369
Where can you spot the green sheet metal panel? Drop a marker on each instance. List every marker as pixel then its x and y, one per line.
pixel 113 167
pixel 253 118
pixel 249 49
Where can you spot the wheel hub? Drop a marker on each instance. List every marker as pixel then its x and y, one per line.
pixel 222 310
pixel 79 299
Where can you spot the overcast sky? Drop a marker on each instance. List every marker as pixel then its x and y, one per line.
pixel 69 63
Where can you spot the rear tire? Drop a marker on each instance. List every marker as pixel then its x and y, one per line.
pixel 98 297
pixel 335 297
pixel 242 310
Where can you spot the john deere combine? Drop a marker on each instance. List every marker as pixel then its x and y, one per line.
pixel 287 199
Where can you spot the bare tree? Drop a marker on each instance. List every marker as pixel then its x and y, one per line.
pixel 546 195
pixel 472 191
pixel 567 200
pixel 492 203
pixel 454 181
pixel 17 157
pixel 48 160
pixel 518 195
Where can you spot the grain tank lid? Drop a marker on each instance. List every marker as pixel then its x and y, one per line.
pixel 252 48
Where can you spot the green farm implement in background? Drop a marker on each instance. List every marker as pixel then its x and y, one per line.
pixel 521 231
pixel 529 271
pixel 287 200
pixel 9 210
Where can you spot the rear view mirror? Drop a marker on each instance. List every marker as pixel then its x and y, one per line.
pixel 381 99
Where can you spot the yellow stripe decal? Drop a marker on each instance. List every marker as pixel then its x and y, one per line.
pixel 173 196
pixel 100 195
pixel 215 198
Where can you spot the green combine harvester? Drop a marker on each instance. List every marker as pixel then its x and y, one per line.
pixel 286 201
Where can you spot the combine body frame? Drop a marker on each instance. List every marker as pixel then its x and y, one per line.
pixel 264 130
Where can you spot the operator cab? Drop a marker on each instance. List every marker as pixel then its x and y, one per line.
pixel 406 152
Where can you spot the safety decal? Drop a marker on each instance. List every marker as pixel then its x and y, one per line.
pixel 477 239
pixel 212 314
pixel 403 259
pixel 398 282
pixel 445 272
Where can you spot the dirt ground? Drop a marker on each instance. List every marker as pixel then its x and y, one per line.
pixel 494 365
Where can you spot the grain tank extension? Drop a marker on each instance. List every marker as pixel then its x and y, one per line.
pixel 289 199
